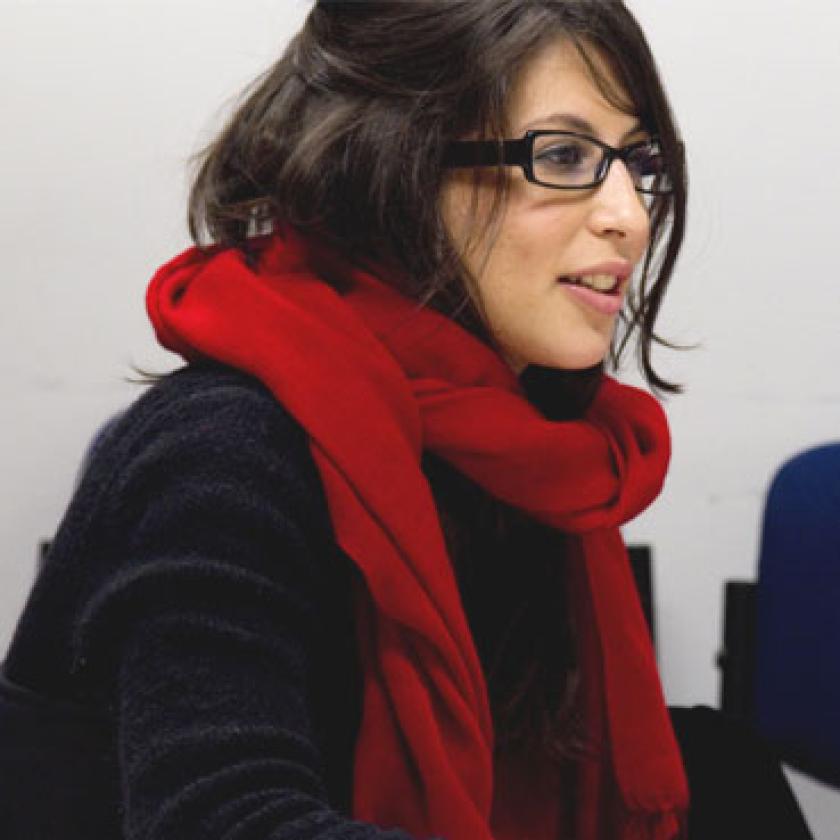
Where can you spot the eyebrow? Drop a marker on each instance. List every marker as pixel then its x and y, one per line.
pixel 577 123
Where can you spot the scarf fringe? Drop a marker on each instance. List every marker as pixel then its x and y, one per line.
pixel 667 825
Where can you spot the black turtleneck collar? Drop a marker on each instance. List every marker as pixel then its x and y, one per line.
pixel 561 394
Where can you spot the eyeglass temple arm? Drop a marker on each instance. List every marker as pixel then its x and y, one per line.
pixel 485 152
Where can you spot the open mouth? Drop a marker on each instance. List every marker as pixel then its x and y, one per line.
pixel 605 284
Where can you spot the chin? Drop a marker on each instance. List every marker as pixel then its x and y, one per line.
pixel 577 358
pixel 575 352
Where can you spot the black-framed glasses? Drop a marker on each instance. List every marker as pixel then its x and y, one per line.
pixel 566 160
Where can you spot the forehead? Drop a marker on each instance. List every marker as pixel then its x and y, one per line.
pixel 557 83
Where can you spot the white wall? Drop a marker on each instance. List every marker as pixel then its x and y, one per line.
pixel 101 102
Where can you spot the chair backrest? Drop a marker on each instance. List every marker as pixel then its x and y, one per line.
pixel 797 668
pixel 641 563
pixel 737 658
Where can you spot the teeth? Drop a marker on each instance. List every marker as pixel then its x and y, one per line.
pixel 598 282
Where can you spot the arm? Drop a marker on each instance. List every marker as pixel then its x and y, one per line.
pixel 211 629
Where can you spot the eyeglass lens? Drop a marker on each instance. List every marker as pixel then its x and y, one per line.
pixel 569 161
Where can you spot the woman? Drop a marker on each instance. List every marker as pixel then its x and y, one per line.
pixel 355 571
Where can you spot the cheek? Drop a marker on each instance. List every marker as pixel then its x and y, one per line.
pixel 465 208
pixel 516 279
pixel 532 249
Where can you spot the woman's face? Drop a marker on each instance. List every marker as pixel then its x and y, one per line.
pixel 547 236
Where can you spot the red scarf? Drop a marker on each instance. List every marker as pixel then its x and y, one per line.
pixel 375 380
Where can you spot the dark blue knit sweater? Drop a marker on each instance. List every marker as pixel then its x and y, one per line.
pixel 184 667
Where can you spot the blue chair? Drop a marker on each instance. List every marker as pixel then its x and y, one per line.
pixel 797 665
pixel 781 659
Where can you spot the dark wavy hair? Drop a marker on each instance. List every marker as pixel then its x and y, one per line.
pixel 344 137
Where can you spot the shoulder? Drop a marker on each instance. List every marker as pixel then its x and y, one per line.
pixel 206 450
pixel 205 399
pixel 204 424
pixel 202 495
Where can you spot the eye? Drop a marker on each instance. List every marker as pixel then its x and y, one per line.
pixel 646 160
pixel 648 168
pixel 568 155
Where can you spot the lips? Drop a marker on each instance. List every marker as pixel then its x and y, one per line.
pixel 600 290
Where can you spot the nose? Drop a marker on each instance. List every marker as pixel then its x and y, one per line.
pixel 618 211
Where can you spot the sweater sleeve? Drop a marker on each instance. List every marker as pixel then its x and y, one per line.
pixel 215 627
